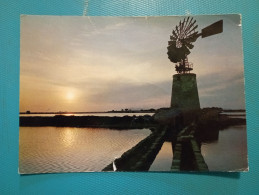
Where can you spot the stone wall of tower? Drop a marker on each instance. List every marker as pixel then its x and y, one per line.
pixel 185 92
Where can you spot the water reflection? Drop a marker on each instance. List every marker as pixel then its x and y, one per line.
pixel 228 152
pixel 66 149
pixel 164 158
pixel 59 149
pixel 68 137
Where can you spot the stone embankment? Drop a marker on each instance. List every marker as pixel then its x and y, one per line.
pixel 141 156
pixel 187 154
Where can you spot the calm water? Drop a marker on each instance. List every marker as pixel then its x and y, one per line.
pixel 92 114
pixel 229 152
pixel 234 113
pixel 163 159
pixel 66 149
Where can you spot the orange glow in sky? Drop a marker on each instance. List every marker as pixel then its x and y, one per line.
pixel 112 63
pixel 70 96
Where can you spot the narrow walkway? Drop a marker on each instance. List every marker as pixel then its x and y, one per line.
pixel 187 153
pixel 141 156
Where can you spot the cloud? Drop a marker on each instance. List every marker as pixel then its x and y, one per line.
pixel 222 89
pixel 118 62
pixel 133 95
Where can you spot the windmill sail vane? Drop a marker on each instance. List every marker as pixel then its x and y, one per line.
pixel 212 29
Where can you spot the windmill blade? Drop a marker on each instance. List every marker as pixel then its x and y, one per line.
pixel 190 26
pixel 212 29
pixel 179 27
pixel 174 34
pixel 189 32
pixel 183 21
pixel 192 31
pixel 186 24
pixel 178 34
pixel 190 22
pixel 173 38
pixel 189 45
pixel 193 37
pixel 193 28
pixel 181 30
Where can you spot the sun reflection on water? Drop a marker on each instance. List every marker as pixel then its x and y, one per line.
pixel 68 137
pixel 72 149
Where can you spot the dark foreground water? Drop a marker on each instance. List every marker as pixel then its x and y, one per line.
pixel 67 149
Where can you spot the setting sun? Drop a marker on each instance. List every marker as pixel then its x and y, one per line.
pixel 70 95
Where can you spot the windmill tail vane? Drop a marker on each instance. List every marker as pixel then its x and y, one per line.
pixel 182 39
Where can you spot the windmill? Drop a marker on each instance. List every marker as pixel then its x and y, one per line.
pixel 182 39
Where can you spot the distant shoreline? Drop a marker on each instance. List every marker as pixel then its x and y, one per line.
pixel 124 122
pixel 115 111
pixel 60 113
pixel 114 122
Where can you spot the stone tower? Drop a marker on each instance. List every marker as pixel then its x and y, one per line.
pixel 185 92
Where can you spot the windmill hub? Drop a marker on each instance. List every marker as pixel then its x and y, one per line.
pixel 178 43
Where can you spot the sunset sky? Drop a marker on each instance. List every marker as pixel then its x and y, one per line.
pixel 72 63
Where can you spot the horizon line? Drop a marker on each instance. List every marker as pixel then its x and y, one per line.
pixel 122 111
